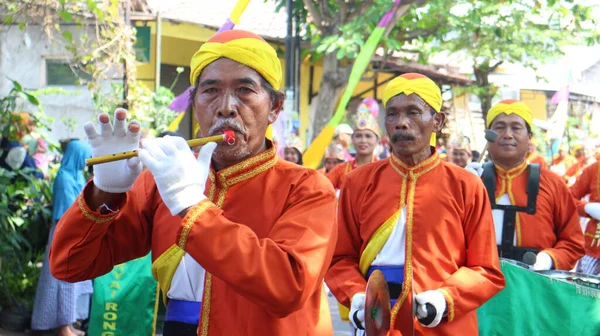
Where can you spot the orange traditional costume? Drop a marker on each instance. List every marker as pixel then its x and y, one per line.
pixel 552 225
pixel 427 227
pixel 588 183
pixel 263 238
pixel 363 121
pixel 560 165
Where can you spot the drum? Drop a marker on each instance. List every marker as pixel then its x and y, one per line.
pixel 516 263
pixel 574 277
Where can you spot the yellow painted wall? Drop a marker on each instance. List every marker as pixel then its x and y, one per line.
pixel 536 100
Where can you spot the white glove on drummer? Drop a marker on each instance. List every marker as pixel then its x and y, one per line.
pixel 180 178
pixel 543 262
pixel 357 311
pixel 593 209
pixel 117 176
pixel 476 168
pixel 435 298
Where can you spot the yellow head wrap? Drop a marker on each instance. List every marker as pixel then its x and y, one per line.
pixel 243 47
pixel 510 106
pixel 418 84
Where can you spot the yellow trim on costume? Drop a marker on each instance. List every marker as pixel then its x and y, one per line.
pixel 225 182
pixel 598 181
pixel 589 235
pixel 413 175
pixel 155 309
pixel 450 303
pixel 94 218
pixel 195 212
pixel 554 260
pixel 506 179
pixel 164 267
pixel 376 242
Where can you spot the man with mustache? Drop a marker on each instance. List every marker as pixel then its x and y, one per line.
pixel 364 139
pixel 240 240
pixel 533 210
pixel 426 224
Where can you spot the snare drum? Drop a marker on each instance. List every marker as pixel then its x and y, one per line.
pixel 574 277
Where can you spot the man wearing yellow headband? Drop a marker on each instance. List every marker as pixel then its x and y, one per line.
pixel 533 213
pixel 588 184
pixel 426 224
pixel 364 140
pixel 240 240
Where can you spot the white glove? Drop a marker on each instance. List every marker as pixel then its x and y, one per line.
pixel 593 209
pixel 543 262
pixel 357 311
pixel 435 298
pixel 117 176
pixel 180 178
pixel 476 168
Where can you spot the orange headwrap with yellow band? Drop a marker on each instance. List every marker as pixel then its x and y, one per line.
pixel 414 83
pixel 510 106
pixel 243 47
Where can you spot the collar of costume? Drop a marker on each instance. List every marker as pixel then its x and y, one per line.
pixel 417 170
pixel 243 47
pixel 246 169
pixel 511 173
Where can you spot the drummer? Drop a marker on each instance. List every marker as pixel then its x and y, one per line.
pixel 426 224
pixel 534 214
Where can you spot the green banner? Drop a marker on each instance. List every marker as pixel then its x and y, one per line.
pixel 535 304
pixel 125 301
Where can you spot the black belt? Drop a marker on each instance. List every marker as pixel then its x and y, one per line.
pixel 395 290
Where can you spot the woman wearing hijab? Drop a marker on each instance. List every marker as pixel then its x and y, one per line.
pixel 59 304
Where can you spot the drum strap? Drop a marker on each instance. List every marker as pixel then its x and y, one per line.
pixel 506 248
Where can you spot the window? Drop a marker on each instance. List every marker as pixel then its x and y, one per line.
pixel 59 72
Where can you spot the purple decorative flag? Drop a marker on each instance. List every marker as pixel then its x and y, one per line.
pixel 182 102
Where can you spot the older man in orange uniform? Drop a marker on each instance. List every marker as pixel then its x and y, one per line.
pixel 426 224
pixel 588 183
pixel 240 240
pixel 533 211
pixel 364 139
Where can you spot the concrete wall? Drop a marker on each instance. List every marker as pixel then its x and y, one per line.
pixel 23 57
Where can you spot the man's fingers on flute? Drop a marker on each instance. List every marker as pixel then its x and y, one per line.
pixel 90 130
pixel 120 127
pixel 133 131
pixel 105 126
pixel 120 114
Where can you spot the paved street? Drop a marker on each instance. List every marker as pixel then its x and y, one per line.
pixel 340 328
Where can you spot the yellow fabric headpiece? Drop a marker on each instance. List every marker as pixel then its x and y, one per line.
pixel 418 84
pixel 510 106
pixel 366 121
pixel 243 47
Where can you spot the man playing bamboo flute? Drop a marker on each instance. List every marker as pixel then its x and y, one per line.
pixel 533 211
pixel 240 240
pixel 426 224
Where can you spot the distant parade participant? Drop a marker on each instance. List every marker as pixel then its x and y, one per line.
pixel 563 161
pixel 584 157
pixel 333 157
pixel 588 184
pixel 365 137
pixel 426 224
pixel 460 150
pixel 534 157
pixel 240 239
pixel 533 210
pixel 293 151
pixel 343 138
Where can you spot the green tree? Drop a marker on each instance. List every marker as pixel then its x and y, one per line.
pixel 337 29
pixel 489 33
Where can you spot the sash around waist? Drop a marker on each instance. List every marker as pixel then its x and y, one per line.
pixel 183 311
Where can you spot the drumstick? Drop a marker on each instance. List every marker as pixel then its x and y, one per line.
pixel 227 136
pixel 491 137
